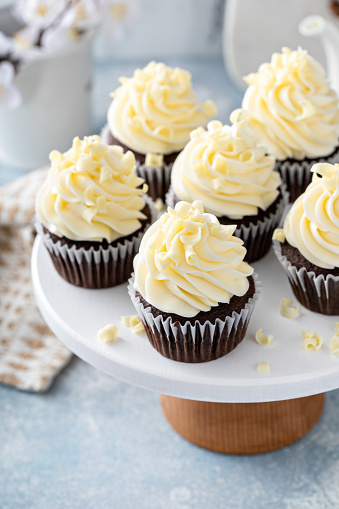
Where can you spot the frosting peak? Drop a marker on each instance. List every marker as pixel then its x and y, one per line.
pixel 189 262
pixel 92 192
pixel 293 110
pixel 223 167
pixel 312 224
pixel 156 109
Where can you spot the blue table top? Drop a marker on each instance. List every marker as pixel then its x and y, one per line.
pixel 95 442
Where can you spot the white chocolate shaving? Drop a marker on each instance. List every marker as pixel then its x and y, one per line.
pixel 311 340
pixel 263 367
pixel 263 340
pixel 159 205
pixel 287 310
pixel 108 334
pixel 134 322
pixel 279 235
pixel 154 160
pixel 334 345
pixel 336 328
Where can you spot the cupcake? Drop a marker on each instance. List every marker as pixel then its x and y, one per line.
pixel 92 213
pixel 191 287
pixel 235 179
pixel 310 253
pixel 152 114
pixel 294 114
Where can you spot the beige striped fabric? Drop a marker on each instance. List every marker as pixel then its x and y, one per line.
pixel 30 355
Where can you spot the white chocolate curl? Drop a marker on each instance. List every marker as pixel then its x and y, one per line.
pixel 263 367
pixel 156 109
pixel 134 322
pixel 334 346
pixel 293 110
pixel 311 340
pixel 287 310
pixel 109 333
pixel 154 160
pixel 263 340
pixel 159 205
pixel 223 167
pixel 188 262
pixel 279 235
pixel 92 192
pixel 312 224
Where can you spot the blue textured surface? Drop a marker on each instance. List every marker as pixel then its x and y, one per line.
pixel 95 442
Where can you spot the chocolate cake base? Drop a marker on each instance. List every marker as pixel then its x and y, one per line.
pixel 296 173
pixel 157 179
pixel 105 273
pixel 321 286
pixel 179 344
pixel 257 243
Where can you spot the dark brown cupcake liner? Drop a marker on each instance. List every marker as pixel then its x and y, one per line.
pixel 257 235
pixel 297 175
pixel 158 179
pixel 95 267
pixel 318 293
pixel 195 342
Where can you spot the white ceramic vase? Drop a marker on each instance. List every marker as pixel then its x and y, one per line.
pixel 55 106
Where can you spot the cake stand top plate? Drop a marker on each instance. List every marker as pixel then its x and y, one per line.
pixel 75 315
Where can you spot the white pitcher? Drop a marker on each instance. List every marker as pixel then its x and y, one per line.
pixel 327 32
pixel 55 106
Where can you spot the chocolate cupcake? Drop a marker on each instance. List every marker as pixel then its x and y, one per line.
pixel 152 114
pixel 235 179
pixel 92 213
pixel 310 251
pixel 294 113
pixel 191 287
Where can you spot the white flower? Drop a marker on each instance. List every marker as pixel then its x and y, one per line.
pixel 24 44
pixel 9 95
pixel 6 44
pixel 39 13
pixel 119 15
pixel 83 15
pixel 59 37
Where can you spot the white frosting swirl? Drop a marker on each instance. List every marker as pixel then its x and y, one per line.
pixel 293 109
pixel 91 193
pixel 188 262
pixel 223 167
pixel 312 224
pixel 156 109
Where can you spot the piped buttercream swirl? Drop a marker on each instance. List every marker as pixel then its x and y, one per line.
pixel 156 109
pixel 312 224
pixel 188 262
pixel 223 167
pixel 92 192
pixel 294 111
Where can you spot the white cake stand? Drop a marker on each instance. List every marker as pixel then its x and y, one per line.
pixel 224 405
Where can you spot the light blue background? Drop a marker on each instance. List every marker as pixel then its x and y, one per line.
pixel 94 442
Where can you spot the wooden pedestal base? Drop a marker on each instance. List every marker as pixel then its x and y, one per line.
pixel 243 428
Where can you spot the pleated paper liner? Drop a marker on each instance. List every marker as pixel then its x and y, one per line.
pixel 195 342
pixel 157 178
pixel 297 175
pixel 317 293
pixel 96 266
